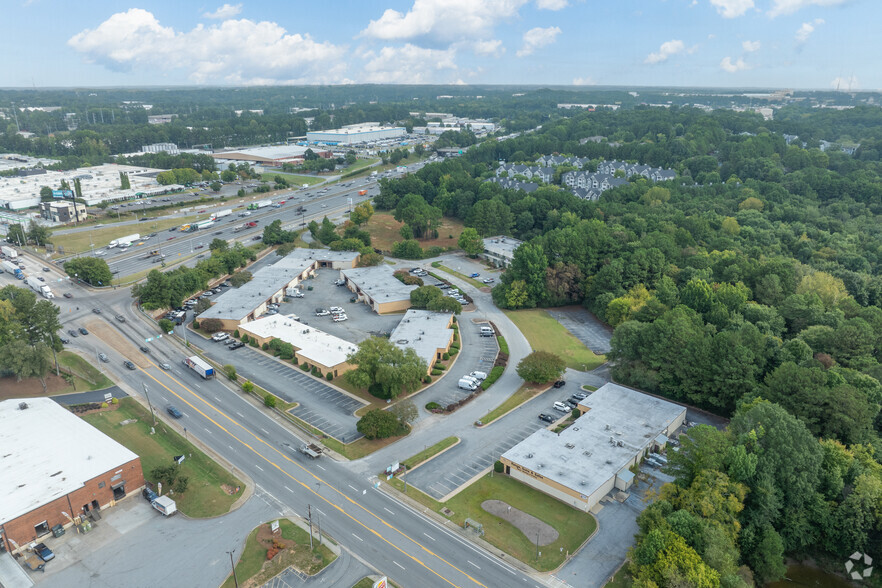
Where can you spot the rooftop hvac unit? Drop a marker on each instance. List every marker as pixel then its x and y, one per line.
pixel 606 428
pixel 575 428
pixel 569 446
pixel 22 405
pixel 586 453
pixel 609 462
pixel 620 444
pixel 529 455
pixel 618 433
pixel 583 483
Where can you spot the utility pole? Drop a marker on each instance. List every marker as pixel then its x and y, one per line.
pixel 232 565
pixel 310 526
pixel 150 405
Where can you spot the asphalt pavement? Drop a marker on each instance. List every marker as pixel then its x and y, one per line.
pixel 86 397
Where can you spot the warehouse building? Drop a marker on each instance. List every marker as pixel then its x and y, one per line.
pixel 241 305
pixel 318 349
pixel 426 332
pixel 274 156
pixel 351 135
pixel 56 469
pixel 500 250
pixel 593 456
pixel 378 288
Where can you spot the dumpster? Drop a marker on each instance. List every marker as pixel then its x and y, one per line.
pixel 57 531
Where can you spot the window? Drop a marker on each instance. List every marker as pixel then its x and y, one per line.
pixel 41 529
pixel 101 484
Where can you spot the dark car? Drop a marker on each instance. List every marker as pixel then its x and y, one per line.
pixel 199 246
pixel 144 349
pixel 120 318
pixel 173 229
pixel 129 365
pixel 149 494
pixel 96 310
pixel 546 417
pixel 83 331
pixel 43 552
pixel 68 295
pixel 64 340
pixel 237 345
pixel 45 269
pixel 174 412
pixel 72 333
pixel 559 384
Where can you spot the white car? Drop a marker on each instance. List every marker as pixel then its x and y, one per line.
pixel 479 375
pixel 340 318
pixel 322 312
pixel 220 337
pixel 335 309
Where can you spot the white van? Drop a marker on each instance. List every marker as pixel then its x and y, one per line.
pixel 480 376
pixel 562 407
pixel 487 332
pixel 471 379
pixel 467 384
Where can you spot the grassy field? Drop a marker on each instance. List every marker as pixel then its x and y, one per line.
pixel 573 526
pixel 205 496
pixel 360 164
pixel 86 372
pixel 463 277
pixel 520 396
pixel 622 579
pixel 429 453
pixel 384 230
pixel 253 565
pixel 360 447
pixel 81 242
pixel 295 179
pixel 546 334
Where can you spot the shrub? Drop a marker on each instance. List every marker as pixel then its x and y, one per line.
pixel 440 366
pixel 305 367
pixel 245 338
pixel 436 372
pixel 195 324
pixel 445 356
pixel 253 343
pixel 265 346
pixel 247 386
pixel 503 345
pixel 494 375
pixel 315 371
pixel 498 467
pixel 329 376
pixel 236 334
pixel 575 413
pixel 269 401
pixel 427 379
pixel 453 352
pixel 166 325
pixel 114 401
pixel 230 372
pixel 212 325
pixel 432 406
pixel 103 405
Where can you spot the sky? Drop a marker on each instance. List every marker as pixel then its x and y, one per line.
pixel 810 44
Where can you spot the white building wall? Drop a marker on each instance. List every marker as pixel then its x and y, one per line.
pixel 553 492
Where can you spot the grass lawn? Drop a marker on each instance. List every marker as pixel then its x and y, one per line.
pixel 546 334
pixel 205 496
pixel 359 165
pixel 254 565
pixel 573 526
pixel 589 388
pixel 622 579
pixel 463 277
pixel 385 231
pixel 429 453
pixel 520 396
pixel 86 372
pixel 80 242
pixel 359 448
pixel 295 179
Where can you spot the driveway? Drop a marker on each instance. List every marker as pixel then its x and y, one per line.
pixel 320 405
pixel 584 326
pixel 85 397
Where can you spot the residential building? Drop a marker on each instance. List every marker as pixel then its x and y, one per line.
pixel 426 332
pixel 56 469
pixel 512 184
pixel 595 455
pixel 539 174
pixel 500 250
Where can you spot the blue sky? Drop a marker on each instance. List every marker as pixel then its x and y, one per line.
pixel 712 43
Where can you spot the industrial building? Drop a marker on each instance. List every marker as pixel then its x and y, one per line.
pixel 274 156
pixel 169 148
pixel 500 250
pixel 240 305
pixel 316 348
pixel 63 211
pixel 56 469
pixel 378 288
pixel 426 332
pixel 594 456
pixel 351 135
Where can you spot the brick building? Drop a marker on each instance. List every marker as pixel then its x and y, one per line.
pixel 56 469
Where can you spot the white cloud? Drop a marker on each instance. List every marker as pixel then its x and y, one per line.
pixel 732 8
pixel 806 30
pixel 751 46
pixel 731 67
pixel 848 83
pixel 492 47
pixel 586 81
pixel 780 7
pixel 234 51
pixel 407 65
pixel 552 4
pixel 443 20
pixel 537 38
pixel 667 49
pixel 224 12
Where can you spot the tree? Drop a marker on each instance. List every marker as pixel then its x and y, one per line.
pixel 16 234
pixel 215 186
pixel 239 278
pixel 211 325
pixel 228 176
pixel 218 245
pixel 405 411
pixel 470 242
pixel 540 367
pixel 409 249
pixel 124 183
pixel 38 234
pixel 92 270
pixel 269 401
pixel 385 369
pixel 46 194
pixel 165 178
pixel 529 264
pixel 361 213
pixel 829 289
pixel 230 372
pixel 379 424
pixel 166 326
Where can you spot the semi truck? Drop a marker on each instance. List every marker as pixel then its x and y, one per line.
pixel 124 241
pixel 199 366
pixel 201 225
pixel 221 213
pixel 154 253
pixel 13 269
pixel 39 287
pixel 259 204
pixel 9 252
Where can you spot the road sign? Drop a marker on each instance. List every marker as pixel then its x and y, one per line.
pixel 274 526
pixel 108 397
pixel 381 583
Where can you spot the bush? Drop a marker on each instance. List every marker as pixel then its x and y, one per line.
pixel 440 366
pixel 436 372
pixel 230 372
pixel 432 406
pixel 494 375
pixel 212 325
pixel 503 345
pixel 329 376
pixel 103 405
pixel 575 413
pixel 315 371
pixel 427 379
pixel 453 352
pixel 498 467
pixel 245 339
pixel 253 343
pixel 195 324
pixel 445 356
pixel 265 346
pixel 114 401
pixel 305 367
pixel 236 334
pixel 166 326
pixel 247 386
pixel 269 401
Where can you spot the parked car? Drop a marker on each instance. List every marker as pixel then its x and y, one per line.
pixel 149 494
pixel 96 310
pixel 321 312
pixel 72 333
pixel 129 365
pixel 488 280
pixel 208 293
pixel 340 318
pixel 237 345
pixel 474 275
pixel 546 417
pixel 103 357
pixel 220 336
pixel 580 395
pixel 174 412
pixel 560 384
pixel 43 552
pixel 562 407
pixel 83 331
pixel 479 375
pixel 64 340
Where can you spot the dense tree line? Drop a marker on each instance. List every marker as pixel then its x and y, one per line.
pixel 28 332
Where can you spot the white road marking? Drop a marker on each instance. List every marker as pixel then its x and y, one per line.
pixel 350 485
pixel 357 537
pixel 265 432
pixel 319 467
pixel 474 564
pixel 258 467
pixel 288 489
pixel 398 564
pixel 216 398
pixel 320 512
pixel 240 414
pixel 389 511
pixel 429 536
pixel 231 448
pixel 197 385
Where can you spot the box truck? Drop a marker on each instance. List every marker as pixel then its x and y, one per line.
pixel 259 204
pixel 165 505
pixel 199 366
pixel 124 241
pixel 221 213
pixel 9 252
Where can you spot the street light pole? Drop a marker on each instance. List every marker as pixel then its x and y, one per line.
pixel 232 565
pixel 148 402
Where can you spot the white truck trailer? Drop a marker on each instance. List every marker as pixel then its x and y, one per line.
pixel 39 287
pixel 9 252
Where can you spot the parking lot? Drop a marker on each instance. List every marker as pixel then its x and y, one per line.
pixel 320 405
pixel 585 327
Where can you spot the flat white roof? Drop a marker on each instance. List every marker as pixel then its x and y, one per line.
pixel 379 283
pixel 320 347
pixel 48 452
pixel 273 152
pixel 238 303
pixel 501 246
pixel 620 423
pixel 356 130
pixel 425 331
